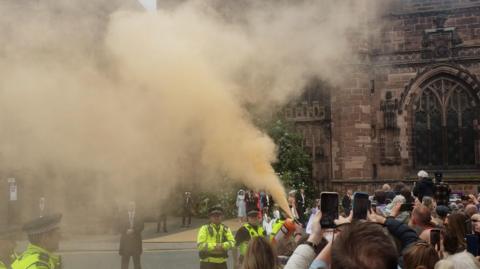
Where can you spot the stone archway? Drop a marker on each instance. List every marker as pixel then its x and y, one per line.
pixel 438 118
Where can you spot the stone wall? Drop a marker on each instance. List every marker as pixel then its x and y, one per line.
pixel 363 147
pixel 457 185
pixel 351 120
pixel 404 32
pixel 410 6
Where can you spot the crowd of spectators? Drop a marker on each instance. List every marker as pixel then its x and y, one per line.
pixel 424 227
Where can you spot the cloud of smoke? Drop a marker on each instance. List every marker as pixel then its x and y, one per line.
pixel 162 95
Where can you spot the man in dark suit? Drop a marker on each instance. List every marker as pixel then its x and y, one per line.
pixel 251 199
pixel 424 186
pixel 301 200
pixel 266 202
pixel 130 227
pixel 347 202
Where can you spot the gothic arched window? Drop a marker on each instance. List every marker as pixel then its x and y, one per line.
pixel 443 124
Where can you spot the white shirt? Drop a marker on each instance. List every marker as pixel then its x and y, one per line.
pixel 131 218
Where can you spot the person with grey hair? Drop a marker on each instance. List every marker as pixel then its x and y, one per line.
pixel 388 192
pixel 424 186
pixel 392 210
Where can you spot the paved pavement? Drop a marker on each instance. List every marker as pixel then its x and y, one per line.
pixel 174 259
pixel 176 249
pixel 187 235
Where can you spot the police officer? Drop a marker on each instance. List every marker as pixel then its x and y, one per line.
pixel 7 248
pixel 44 236
pixel 214 240
pixel 249 230
pixel 277 225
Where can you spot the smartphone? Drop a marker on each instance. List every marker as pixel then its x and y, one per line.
pixel 472 244
pixel 435 238
pixel 406 207
pixel 361 204
pixel 329 209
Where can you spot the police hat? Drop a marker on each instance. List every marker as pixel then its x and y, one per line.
pixel 215 210
pixel 252 213
pixel 8 233
pixel 43 224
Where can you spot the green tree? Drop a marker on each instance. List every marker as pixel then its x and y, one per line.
pixel 293 164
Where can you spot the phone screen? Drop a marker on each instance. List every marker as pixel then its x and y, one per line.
pixel 435 238
pixel 329 208
pixel 472 244
pixel 361 203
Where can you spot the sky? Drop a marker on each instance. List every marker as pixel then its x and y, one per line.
pixel 149 4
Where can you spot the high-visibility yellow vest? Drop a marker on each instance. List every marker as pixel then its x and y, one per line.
pixel 36 257
pixel 208 237
pixel 253 233
pixel 12 258
pixel 276 227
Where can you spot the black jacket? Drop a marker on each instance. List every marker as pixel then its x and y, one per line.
pixel 347 204
pixel 424 187
pixel 130 244
pixel 402 232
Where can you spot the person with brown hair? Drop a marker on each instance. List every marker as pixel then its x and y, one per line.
pixel 378 249
pixel 420 255
pixel 260 255
pixel 455 226
pixel 455 258
pixel 358 245
pixel 407 193
pixel 381 198
pixel 421 219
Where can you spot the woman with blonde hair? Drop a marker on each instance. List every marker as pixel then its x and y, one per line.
pixel 260 255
